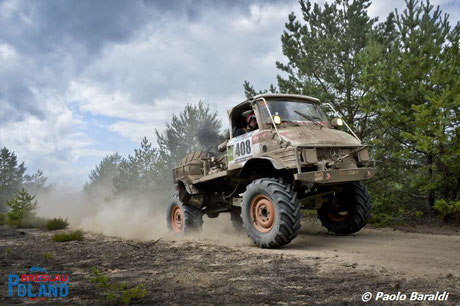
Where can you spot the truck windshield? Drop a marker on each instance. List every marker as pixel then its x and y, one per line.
pixel 293 111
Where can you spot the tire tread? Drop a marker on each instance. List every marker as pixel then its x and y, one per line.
pixel 289 211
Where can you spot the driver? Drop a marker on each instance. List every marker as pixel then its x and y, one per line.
pixel 251 122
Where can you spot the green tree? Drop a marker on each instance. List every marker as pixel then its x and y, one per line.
pixel 139 174
pixel 21 207
pixel 11 176
pixel 100 180
pixel 36 183
pixel 412 88
pixel 323 55
pixel 195 128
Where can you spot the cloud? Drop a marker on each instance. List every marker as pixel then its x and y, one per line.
pixel 381 9
pixel 16 97
pixel 40 27
pixel 185 61
pixel 51 142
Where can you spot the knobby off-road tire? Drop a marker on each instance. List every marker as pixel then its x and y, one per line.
pixel 353 212
pixel 270 212
pixel 182 218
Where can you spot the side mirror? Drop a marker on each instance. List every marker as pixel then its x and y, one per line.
pixel 227 134
pixel 336 122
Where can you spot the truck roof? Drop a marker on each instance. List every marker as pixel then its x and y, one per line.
pixel 286 96
pixel 272 96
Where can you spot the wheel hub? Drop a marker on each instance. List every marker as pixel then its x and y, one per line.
pixel 262 213
pixel 177 219
pixel 338 216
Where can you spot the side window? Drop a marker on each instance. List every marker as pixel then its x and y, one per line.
pixel 237 123
pixel 238 118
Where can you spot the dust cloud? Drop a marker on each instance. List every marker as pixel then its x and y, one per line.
pixel 128 218
pixel 70 204
pixel 139 217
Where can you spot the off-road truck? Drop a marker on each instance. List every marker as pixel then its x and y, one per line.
pixel 296 159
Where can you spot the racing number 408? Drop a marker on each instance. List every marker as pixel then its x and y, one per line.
pixel 243 148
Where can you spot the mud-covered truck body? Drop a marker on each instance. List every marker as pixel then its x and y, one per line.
pixel 295 159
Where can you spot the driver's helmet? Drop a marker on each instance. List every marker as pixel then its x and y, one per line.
pixel 250 116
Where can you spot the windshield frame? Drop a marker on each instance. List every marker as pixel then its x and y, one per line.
pixel 266 121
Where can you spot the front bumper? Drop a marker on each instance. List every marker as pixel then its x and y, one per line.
pixel 336 176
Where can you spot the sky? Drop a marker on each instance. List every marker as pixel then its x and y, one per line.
pixel 83 79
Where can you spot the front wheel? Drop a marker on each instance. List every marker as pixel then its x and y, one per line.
pixel 270 212
pixel 347 211
pixel 182 218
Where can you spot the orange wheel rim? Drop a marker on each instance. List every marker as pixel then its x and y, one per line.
pixel 177 219
pixel 337 217
pixel 262 213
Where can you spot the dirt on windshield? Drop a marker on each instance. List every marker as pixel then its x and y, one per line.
pixel 225 268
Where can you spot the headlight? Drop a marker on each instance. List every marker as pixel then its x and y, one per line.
pixel 336 122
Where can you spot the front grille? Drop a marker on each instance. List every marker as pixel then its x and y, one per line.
pixel 287 156
pixel 331 153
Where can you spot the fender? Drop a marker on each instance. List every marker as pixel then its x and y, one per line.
pixel 276 164
pixel 261 161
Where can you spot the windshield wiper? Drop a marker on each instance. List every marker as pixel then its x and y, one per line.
pixel 309 118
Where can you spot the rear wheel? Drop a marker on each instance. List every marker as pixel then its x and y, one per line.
pixel 182 218
pixel 270 212
pixel 348 211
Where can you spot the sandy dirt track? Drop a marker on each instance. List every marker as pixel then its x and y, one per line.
pixel 385 250
pixel 225 268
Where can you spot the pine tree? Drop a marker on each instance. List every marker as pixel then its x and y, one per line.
pixel 36 183
pixel 195 128
pixel 21 207
pixel 139 173
pixel 323 56
pixel 100 180
pixel 11 176
pixel 413 90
